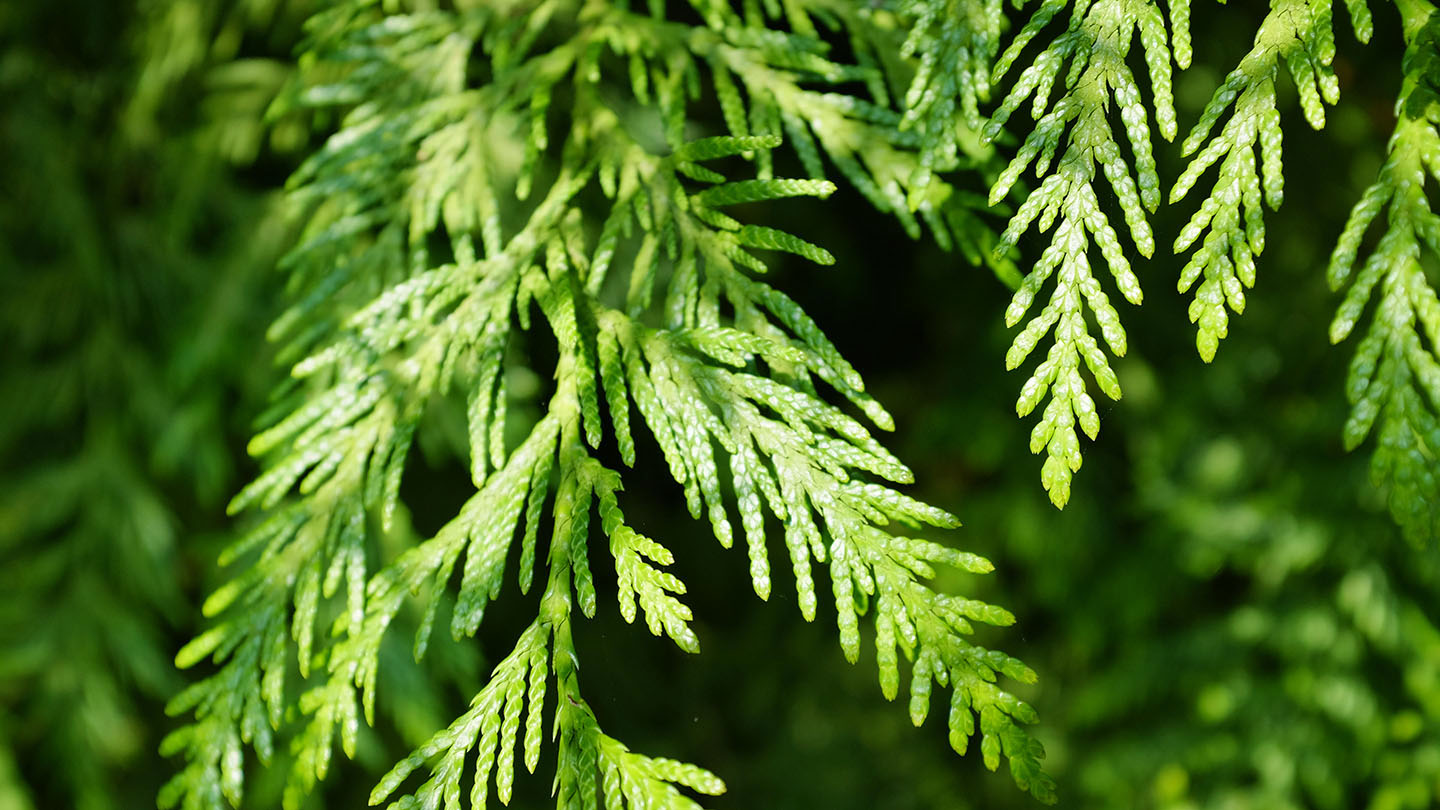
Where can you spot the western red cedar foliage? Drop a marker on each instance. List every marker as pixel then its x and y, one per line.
pixel 549 271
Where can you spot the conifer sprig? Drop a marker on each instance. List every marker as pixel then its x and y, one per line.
pixel 1094 46
pixel 1395 375
pixel 422 251
pixel 492 726
pixel 1231 219
pixel 940 59
pixel 955 43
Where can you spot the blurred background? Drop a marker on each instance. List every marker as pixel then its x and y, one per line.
pixel 1223 617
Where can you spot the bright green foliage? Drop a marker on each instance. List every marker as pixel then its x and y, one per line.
pixel 941 76
pixel 421 252
pixel 956 42
pixel 1223 625
pixel 587 755
pixel 1300 33
pixel 1395 374
pixel 1094 47
pixel 1073 133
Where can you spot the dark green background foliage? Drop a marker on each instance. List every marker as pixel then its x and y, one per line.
pixel 1224 615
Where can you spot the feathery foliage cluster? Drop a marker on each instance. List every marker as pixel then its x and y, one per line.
pixel 545 241
pixel 1395 374
pixel 424 249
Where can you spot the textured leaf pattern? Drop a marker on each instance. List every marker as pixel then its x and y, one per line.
pixel 1094 46
pixel 1231 219
pixel 439 217
pixel 1394 376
